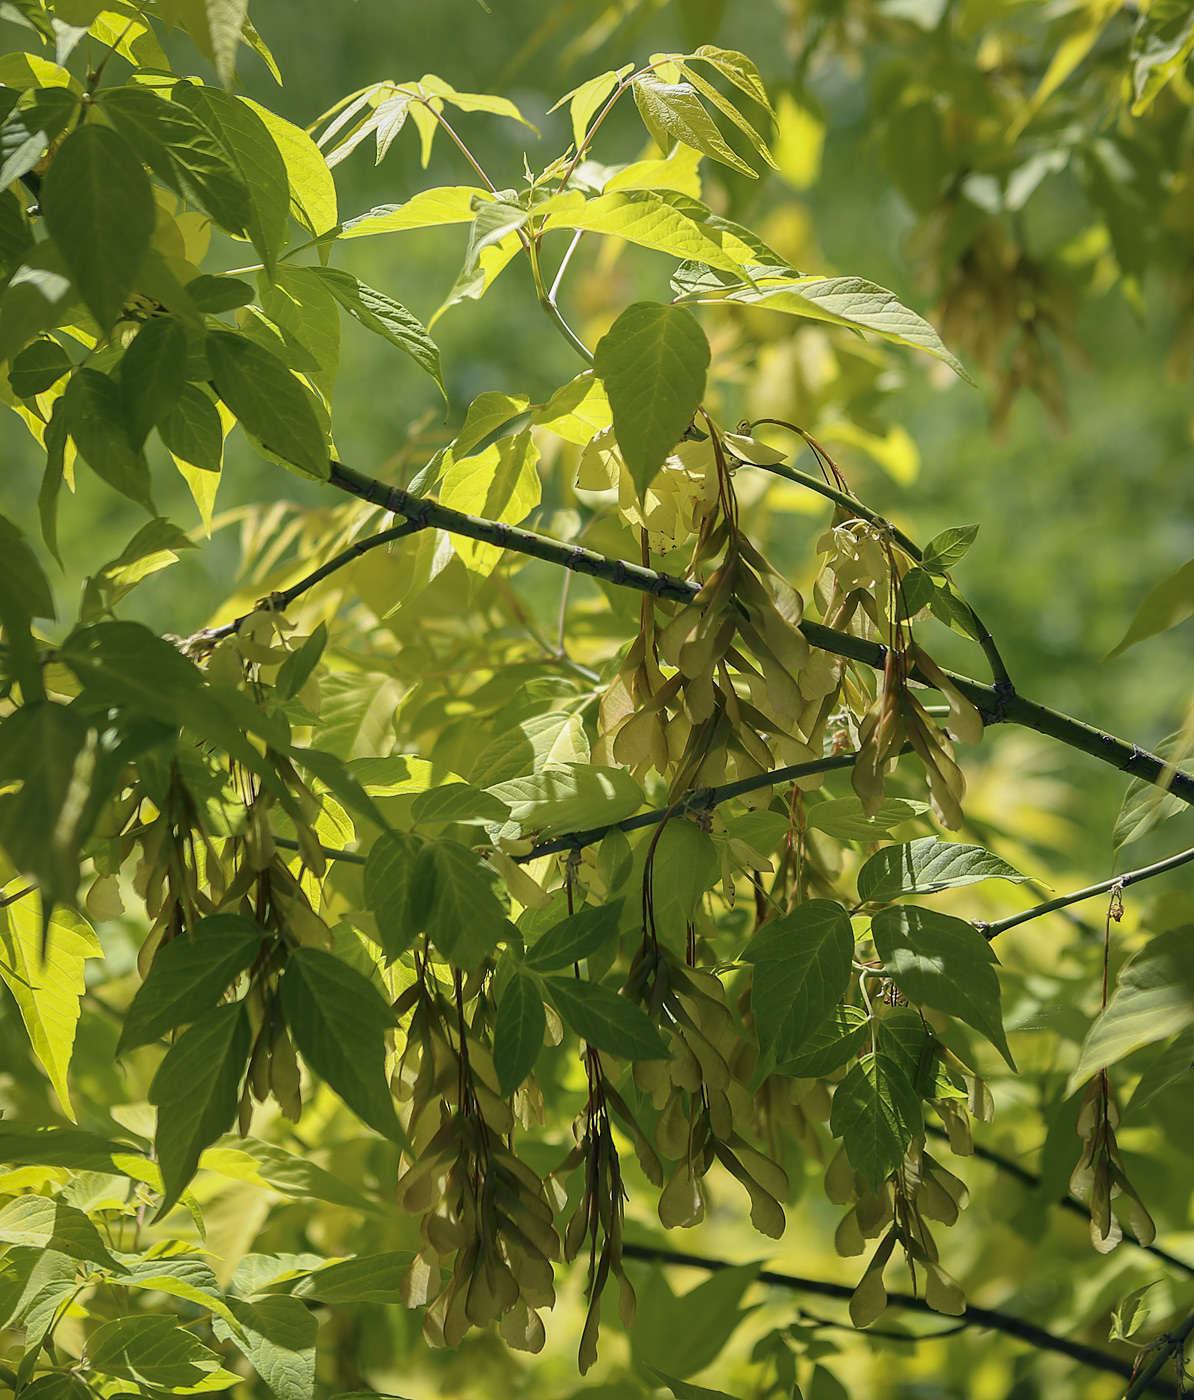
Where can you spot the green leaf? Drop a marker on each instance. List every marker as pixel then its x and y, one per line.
pixel 458 802
pixel 499 483
pixel 183 152
pixel 571 797
pixel 57 1147
pixel 686 864
pixel 706 90
pixel 1146 804
pixel 674 109
pixel 45 759
pixel 47 990
pixel 801 971
pixel 449 204
pixel 23 585
pixel 943 963
pixel 1174 1062
pixel 876 1113
pixel 189 976
pixel 123 663
pixel 577 937
pixel 292 1176
pixel 225 21
pixel 916 592
pixel 52 478
pixel 487 413
pixel 218 294
pixel 268 400
pixel 187 1276
pixel 95 419
pixel 1153 999
pixel 312 188
pixel 385 317
pixel 926 865
pixel 192 430
pixel 643 217
pixel 685 1390
pixel 738 69
pixel 338 1021
pixel 951 608
pixel 1171 602
pixel 397 891
pixel 1130 1314
pixel 585 100
pixel 652 362
pixel 852 301
pixel 36 299
pixel 465 920
pixel 833 1044
pixel 682 1335
pixel 155 1351
pixel 518 1031
pixel 41 1223
pixel 56 1386
pixel 605 1020
pixel 152 376
pixel 552 739
pixel 843 819
pixel 369 1278
pixel 948 548
pixel 252 151
pixel 295 671
pixel 278 1337
pixel 99 209
pixel 195 1091
pixel 38 367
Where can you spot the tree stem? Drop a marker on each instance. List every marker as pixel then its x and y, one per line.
pixel 1132 877
pixel 993 701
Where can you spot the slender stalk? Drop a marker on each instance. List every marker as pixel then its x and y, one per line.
pixel 1132 877
pixel 563 267
pixel 592 131
pixel 1161 1350
pixel 547 298
pixel 286 596
pixel 988 1318
pixel 994 702
pixel 464 150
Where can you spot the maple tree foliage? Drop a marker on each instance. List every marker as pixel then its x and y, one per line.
pixel 522 866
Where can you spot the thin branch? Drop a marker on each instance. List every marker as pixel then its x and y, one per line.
pixel 700 800
pixel 1132 877
pixel 973 1317
pixel 286 596
pixel 1158 1353
pixel 994 702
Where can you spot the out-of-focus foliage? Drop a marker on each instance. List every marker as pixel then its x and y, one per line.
pixel 423 920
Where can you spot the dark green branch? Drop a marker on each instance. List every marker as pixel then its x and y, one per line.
pixel 1157 1354
pixel 973 1317
pixel 286 596
pixel 993 702
pixel 700 800
pixel 1120 882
